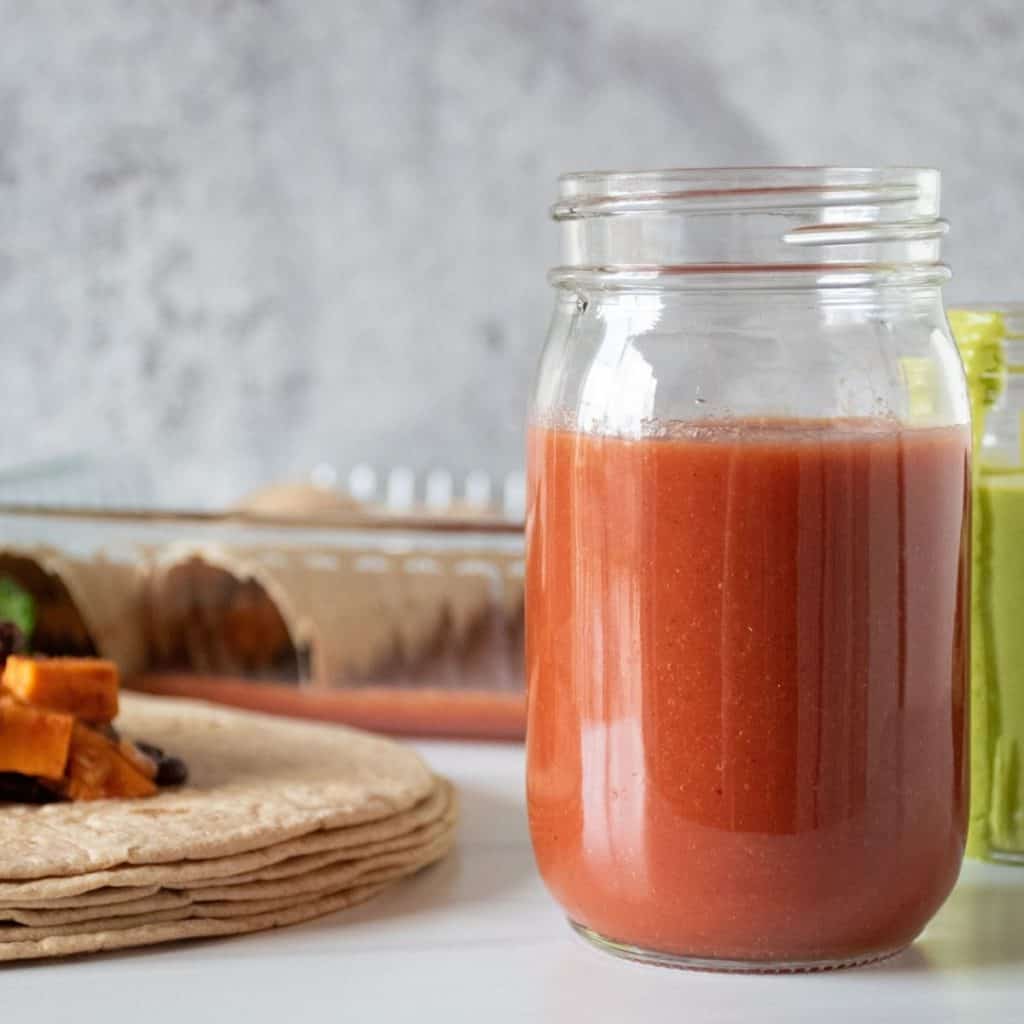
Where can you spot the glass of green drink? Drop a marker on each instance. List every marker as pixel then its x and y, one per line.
pixel 992 345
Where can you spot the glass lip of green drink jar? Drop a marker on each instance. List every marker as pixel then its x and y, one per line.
pixel 990 338
pixel 991 341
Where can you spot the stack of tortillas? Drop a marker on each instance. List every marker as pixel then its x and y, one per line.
pixel 280 822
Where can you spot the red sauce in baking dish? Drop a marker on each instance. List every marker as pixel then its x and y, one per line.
pixel 746 656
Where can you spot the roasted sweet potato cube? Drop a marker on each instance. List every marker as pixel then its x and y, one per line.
pixel 83 687
pixel 97 770
pixel 33 741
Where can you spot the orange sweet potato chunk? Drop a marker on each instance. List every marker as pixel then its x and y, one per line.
pixel 97 770
pixel 83 687
pixel 34 741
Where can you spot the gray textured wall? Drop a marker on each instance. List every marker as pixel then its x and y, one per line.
pixel 238 238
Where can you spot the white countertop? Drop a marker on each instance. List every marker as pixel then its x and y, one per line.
pixel 477 939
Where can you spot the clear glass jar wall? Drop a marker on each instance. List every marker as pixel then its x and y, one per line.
pixel 746 607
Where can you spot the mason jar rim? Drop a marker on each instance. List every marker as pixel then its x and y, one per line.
pixel 697 182
pixel 818 172
pixel 846 226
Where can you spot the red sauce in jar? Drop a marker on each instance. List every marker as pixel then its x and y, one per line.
pixel 746 657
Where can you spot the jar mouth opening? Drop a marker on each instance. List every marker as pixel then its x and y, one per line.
pixel 749 219
pixel 597 193
pixel 767 174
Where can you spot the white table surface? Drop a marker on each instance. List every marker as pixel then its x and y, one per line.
pixel 476 938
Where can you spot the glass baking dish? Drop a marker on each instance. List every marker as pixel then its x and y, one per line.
pixel 409 623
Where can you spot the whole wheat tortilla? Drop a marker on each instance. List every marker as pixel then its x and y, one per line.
pixel 353 620
pixel 195 928
pixel 311 862
pixel 180 905
pixel 137 881
pixel 107 595
pixel 217 911
pixel 431 844
pixel 300 500
pixel 244 908
pixel 334 877
pixel 95 898
pixel 21 932
pixel 254 781
pixel 160 901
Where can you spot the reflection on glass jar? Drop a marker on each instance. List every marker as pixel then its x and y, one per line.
pixel 747 510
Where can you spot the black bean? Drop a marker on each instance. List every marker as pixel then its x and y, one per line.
pixel 171 771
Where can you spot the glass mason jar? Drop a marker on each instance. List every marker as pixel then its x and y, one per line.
pixel 747 531
pixel 992 342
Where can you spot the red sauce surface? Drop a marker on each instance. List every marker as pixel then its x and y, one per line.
pixel 746 671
